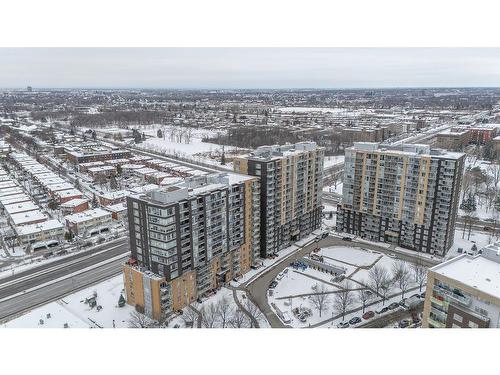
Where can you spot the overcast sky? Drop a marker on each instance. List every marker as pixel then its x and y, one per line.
pixel 248 67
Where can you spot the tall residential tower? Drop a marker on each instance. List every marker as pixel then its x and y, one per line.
pixel 406 195
pixel 189 238
pixel 291 178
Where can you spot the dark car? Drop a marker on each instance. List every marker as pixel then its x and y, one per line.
pixel 367 315
pixel 393 306
pixel 346 239
pixel 382 310
pixel 404 323
pixel 273 285
pixel 355 320
pixel 422 295
pixel 415 295
pixel 324 235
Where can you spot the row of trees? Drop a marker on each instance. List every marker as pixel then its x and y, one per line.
pixel 223 314
pixel 381 281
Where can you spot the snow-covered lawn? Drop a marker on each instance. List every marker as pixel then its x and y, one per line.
pixel 295 283
pixel 76 313
pixel 352 255
pixel 481 239
pixel 333 160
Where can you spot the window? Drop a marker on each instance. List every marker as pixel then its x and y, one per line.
pixel 458 318
pixel 473 325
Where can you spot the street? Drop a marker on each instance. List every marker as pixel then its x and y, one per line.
pixel 39 285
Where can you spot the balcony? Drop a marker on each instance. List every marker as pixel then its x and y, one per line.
pixel 436 324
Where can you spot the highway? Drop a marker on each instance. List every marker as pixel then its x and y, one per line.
pixel 34 287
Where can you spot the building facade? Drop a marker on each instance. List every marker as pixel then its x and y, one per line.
pixel 407 195
pixel 291 179
pixel 189 238
pixel 463 292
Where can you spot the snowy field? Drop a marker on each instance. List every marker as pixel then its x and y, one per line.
pixel 73 311
pixel 297 289
pixel 333 160
pixel 352 255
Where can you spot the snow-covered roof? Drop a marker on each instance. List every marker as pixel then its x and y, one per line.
pixel 27 217
pixel 477 272
pixel 39 227
pixel 74 202
pixel 81 217
pixel 20 207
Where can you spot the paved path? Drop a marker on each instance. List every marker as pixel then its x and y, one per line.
pixel 200 317
pixel 255 323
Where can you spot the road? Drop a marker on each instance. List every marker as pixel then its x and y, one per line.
pixel 257 288
pixel 37 286
pixel 392 317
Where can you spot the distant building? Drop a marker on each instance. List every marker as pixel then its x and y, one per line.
pixel 464 292
pixel 406 195
pixel 291 178
pixel 50 230
pixel 74 206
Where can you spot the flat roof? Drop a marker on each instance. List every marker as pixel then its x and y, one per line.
pixel 81 217
pixel 14 208
pixel 476 272
pixel 38 227
pixel 26 217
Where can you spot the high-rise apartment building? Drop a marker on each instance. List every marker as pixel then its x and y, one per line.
pixel 291 178
pixel 464 292
pixel 406 195
pixel 189 238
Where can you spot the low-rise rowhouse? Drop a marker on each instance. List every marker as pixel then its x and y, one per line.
pixel 118 211
pixel 16 208
pixel 74 206
pixel 50 230
pixel 89 222
pixel 104 171
pixel 464 292
pixel 114 197
pixel 26 218
pixel 67 195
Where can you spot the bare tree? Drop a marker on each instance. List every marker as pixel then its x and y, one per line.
pixel 343 299
pixel 420 273
pixel 386 285
pixel 209 315
pixel 401 276
pixel 138 320
pixel 224 311
pixel 377 274
pixel 320 299
pixel 363 296
pixel 190 316
pixel 494 170
pixel 254 311
pixel 239 320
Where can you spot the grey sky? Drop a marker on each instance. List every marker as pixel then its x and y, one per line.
pixel 249 67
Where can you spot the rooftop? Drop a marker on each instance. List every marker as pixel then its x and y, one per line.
pixel 406 149
pixel 81 217
pixel 481 272
pixel 39 227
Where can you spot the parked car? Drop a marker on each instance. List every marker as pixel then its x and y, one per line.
pixel 273 284
pixel 343 325
pixel 392 255
pixel 393 306
pixel 415 295
pixel 404 323
pixel 367 315
pixel 382 310
pixel 402 302
pixel 355 320
pixel 324 234
pixel 346 239
pixel 422 295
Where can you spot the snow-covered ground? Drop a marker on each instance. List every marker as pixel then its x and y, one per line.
pixel 73 311
pixel 481 239
pixel 333 160
pixel 298 287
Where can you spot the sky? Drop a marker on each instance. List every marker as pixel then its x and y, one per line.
pixel 233 68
